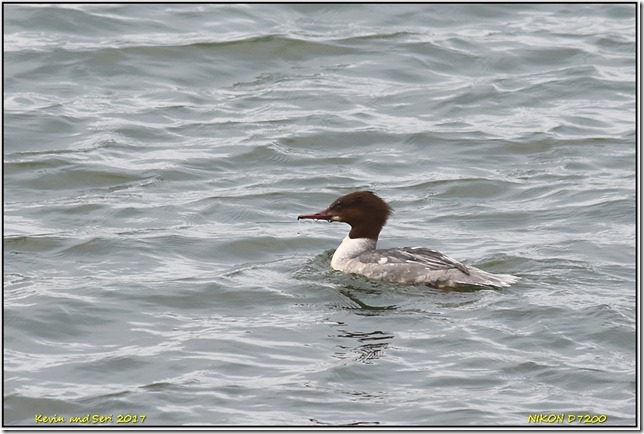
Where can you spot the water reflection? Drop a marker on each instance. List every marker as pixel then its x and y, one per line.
pixel 370 345
pixel 361 307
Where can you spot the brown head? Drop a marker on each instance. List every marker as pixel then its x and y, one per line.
pixel 363 210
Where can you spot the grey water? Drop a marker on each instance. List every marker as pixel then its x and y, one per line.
pixel 155 158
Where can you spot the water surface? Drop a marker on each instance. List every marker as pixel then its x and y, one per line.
pixel 156 158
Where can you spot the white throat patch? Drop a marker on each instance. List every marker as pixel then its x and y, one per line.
pixel 349 249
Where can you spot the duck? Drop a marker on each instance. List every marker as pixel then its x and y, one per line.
pixel 366 213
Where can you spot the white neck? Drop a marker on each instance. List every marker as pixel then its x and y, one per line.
pixel 350 248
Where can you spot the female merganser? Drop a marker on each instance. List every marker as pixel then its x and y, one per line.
pixel 366 213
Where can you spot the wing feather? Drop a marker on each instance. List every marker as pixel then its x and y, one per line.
pixel 414 255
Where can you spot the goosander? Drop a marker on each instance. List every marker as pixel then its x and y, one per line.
pixel 367 213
